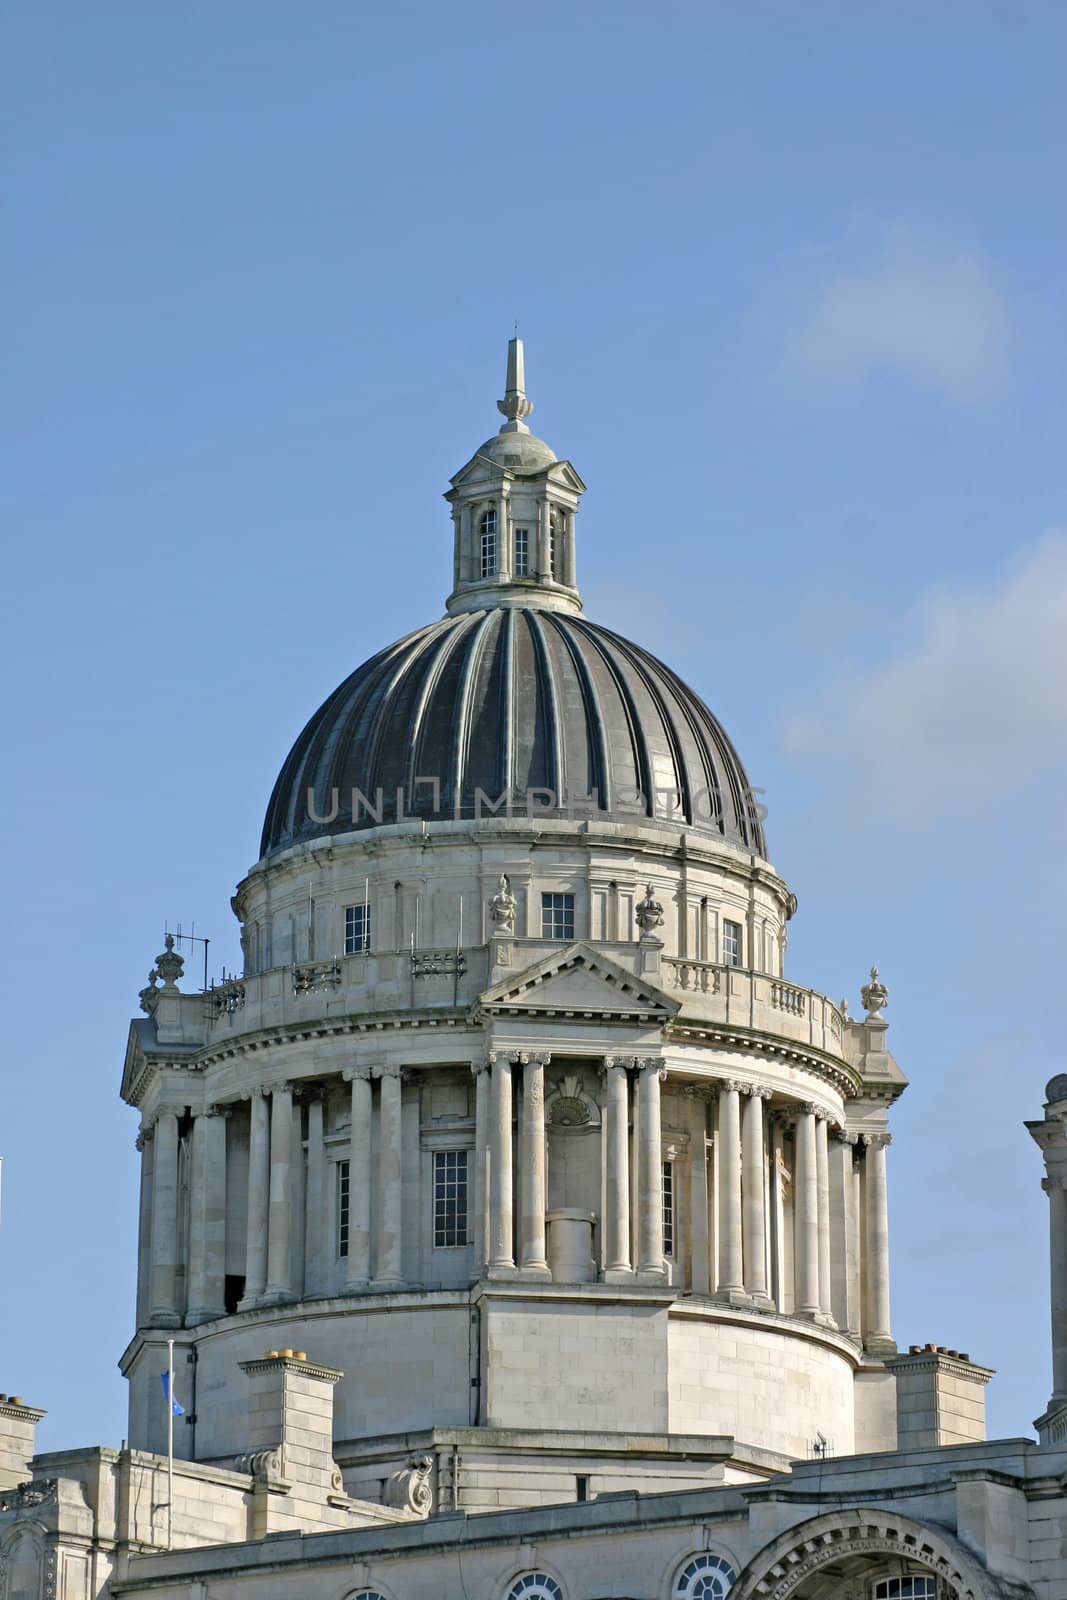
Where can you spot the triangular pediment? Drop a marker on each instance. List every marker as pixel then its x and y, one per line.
pixel 579 981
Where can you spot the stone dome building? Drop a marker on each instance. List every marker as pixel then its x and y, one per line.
pixel 513 1172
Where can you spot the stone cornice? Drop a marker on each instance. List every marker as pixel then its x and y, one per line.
pixel 845 1079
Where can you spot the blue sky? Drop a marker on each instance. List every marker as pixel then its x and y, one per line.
pixel 790 278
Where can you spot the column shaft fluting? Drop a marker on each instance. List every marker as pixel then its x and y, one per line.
pixel 876 1237
pixel 389 1266
pixel 357 1262
pixel 164 1308
pixel 315 1204
pixel 650 1170
pixel 754 1193
pixel 281 1158
pixel 822 1170
pixel 501 1216
pixel 258 1197
pixel 532 1165
pixel 728 1152
pixel 617 1142
pixel 806 1215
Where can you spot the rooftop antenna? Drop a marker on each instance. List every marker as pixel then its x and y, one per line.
pixel 192 937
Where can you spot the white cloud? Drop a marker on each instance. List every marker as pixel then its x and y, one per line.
pixel 921 309
pixel 967 716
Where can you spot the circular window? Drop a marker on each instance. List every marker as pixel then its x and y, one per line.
pixel 365 1594
pixel 536 1586
pixel 704 1578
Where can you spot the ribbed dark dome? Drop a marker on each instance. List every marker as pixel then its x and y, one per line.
pixel 512 700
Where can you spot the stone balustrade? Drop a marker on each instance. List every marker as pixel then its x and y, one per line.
pixel 370 983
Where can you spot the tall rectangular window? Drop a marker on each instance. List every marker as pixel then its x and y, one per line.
pixel 487 529
pixel 668 1208
pixel 342 1208
pixel 557 916
pixel 357 929
pixel 522 552
pixel 731 943
pixel 449 1198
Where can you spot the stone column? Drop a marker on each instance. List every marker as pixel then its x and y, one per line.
pixel 1053 1186
pixel 207 1230
pixel 146 1146
pixel 650 1260
pixel 617 1261
pixel 731 1284
pixel 164 1309
pixel 389 1270
pixel 480 1185
pixel 357 1268
pixel 754 1197
pixel 501 1220
pixel 844 1252
pixel 503 538
pixel 806 1215
pixel 876 1335
pixel 532 1167
pixel 316 1207
pixel 569 563
pixel 822 1172
pixel 298 1191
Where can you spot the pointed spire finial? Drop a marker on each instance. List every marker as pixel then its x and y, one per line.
pixel 515 406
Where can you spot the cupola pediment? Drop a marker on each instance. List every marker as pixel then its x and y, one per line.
pixel 579 981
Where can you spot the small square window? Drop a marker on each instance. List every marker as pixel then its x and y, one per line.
pixel 342 1208
pixel 557 916
pixel 357 929
pixel 449 1198
pixel 731 943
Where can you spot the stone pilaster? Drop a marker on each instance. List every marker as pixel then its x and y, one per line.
pixel 258 1199
pixel 357 1266
pixel 650 1260
pixel 699 1254
pixel 1055 1187
pixel 844 1234
pixel 316 1202
pixel 877 1337
pixel 532 1257
pixel 806 1215
pixel 618 1265
pixel 146 1147
pixel 279 1266
pixel 207 1222
pixel 480 1177
pixel 822 1173
pixel 754 1197
pixel 731 1283
pixel 389 1272
pixel 164 1309
pixel 501 1199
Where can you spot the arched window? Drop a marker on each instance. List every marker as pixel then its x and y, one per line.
pixel 488 536
pixel 704 1578
pixel 364 1594
pixel 535 1586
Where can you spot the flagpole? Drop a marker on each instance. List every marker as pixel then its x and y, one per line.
pixel 170 1444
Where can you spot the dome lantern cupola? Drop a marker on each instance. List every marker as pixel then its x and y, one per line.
pixel 513 511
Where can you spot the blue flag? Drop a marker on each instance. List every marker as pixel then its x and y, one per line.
pixel 177 1409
